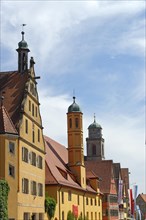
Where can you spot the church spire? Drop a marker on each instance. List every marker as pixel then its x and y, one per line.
pixel 22 54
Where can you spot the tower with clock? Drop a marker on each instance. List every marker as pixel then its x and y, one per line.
pixel 95 142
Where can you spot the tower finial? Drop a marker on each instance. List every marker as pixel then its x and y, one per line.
pixel 74 99
pixel 94 117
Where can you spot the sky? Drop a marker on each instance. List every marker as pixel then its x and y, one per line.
pixel 94 50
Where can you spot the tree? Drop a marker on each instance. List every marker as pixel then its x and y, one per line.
pixel 50 206
pixel 70 216
pixel 4 190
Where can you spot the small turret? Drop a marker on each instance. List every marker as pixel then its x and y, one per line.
pixel 22 55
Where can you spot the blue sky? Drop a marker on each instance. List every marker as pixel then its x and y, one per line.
pixel 97 49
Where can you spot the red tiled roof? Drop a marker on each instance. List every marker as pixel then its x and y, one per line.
pixel 57 171
pixel 143 196
pixel 12 86
pixel 103 169
pixel 6 124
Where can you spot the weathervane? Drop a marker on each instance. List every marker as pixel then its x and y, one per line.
pixel 23 26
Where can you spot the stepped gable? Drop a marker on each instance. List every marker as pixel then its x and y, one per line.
pixel 12 86
pixel 125 178
pixel 57 170
pixel 6 124
pixel 103 169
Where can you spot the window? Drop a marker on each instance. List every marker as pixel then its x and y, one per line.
pixel 25 185
pixel 36 111
pixel 69 195
pixel 78 200
pixel 76 122
pixel 32 109
pixel 99 215
pixel 29 105
pixel 25 154
pixel 12 147
pixel 70 123
pixel 33 137
pixel 98 201
pixel 33 159
pixel 40 162
pixel 40 189
pixel 102 149
pixel 62 215
pixel 26 126
pixel 95 215
pixel 113 212
pixel 38 135
pixel 26 216
pixel 93 149
pixel 33 188
pixel 11 170
pixel 86 201
pixel 91 202
pixel 62 197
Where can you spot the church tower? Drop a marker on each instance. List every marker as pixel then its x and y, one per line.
pixel 22 55
pixel 75 143
pixel 95 142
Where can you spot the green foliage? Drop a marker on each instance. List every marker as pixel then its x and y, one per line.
pixel 82 218
pixel 4 190
pixel 50 206
pixel 70 216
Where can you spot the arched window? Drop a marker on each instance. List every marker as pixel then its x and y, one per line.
pixel 76 122
pixel 70 123
pixel 102 149
pixel 93 149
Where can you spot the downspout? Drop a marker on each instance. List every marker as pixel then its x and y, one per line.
pixel 59 203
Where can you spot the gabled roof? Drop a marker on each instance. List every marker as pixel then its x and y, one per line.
pixel 143 196
pixel 6 124
pixel 12 86
pixel 103 169
pixel 57 170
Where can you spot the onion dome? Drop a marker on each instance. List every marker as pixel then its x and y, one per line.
pixel 74 107
pixel 94 124
pixel 23 44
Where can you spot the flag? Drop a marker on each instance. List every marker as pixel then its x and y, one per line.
pixel 135 190
pixel 138 212
pixel 131 201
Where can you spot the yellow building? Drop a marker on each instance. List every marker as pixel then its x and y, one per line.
pixel 22 149
pixel 67 180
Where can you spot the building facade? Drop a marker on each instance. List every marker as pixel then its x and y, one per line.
pixel 67 180
pixel 22 148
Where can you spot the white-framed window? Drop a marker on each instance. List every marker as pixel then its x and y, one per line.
pixel 25 154
pixel 33 188
pixel 11 170
pixel 11 147
pixel 25 185
pixel 40 162
pixel 40 189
